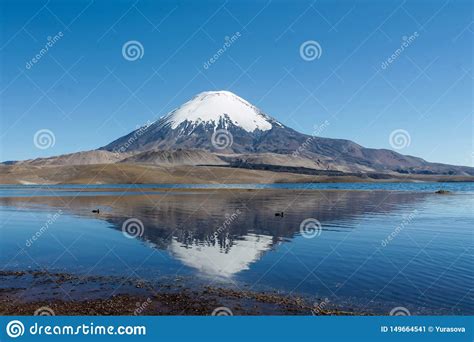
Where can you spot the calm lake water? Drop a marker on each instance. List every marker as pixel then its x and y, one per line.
pixel 379 246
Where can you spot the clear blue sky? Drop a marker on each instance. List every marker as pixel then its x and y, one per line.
pixel 87 94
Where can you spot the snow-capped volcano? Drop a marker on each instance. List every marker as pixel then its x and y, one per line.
pixel 239 133
pixel 193 124
pixel 216 107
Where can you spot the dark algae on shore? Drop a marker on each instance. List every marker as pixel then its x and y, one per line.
pixel 66 294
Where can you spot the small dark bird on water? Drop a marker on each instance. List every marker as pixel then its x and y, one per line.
pixel 97 211
pixel 279 214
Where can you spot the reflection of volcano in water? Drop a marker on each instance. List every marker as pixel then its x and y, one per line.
pixel 211 259
pixel 190 226
pixel 212 240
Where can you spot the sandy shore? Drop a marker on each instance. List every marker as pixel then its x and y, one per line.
pixel 149 174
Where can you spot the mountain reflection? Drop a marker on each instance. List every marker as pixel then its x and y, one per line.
pixel 220 233
pixel 209 259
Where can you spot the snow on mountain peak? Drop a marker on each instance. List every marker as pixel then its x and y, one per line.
pixel 213 106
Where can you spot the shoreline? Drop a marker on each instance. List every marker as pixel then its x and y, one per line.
pixel 141 297
pixel 127 174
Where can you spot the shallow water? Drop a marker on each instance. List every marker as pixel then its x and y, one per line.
pixel 72 189
pixel 376 250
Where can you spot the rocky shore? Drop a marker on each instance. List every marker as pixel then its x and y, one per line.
pixel 67 294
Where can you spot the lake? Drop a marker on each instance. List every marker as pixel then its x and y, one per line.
pixel 370 247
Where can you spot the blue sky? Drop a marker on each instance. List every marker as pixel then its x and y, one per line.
pixel 86 93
